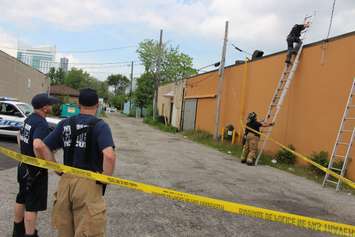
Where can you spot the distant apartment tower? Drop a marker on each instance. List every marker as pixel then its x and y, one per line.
pixel 41 57
pixel 64 64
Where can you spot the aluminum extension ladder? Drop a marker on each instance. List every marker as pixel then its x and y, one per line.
pixel 346 127
pixel 280 93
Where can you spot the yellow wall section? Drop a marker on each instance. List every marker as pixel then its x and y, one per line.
pixel 314 105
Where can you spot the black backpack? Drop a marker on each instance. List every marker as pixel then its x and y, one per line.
pixel 89 139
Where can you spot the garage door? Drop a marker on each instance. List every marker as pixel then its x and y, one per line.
pixel 189 114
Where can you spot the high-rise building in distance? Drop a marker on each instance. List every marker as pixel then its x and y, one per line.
pixel 41 57
pixel 64 64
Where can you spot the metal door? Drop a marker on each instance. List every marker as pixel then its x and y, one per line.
pixel 189 114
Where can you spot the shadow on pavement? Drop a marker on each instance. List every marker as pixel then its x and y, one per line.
pixel 10 143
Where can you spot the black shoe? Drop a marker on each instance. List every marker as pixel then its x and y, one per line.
pixel 19 229
pixel 250 163
pixel 243 161
pixel 288 62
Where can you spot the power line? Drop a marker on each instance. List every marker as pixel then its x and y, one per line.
pixel 239 49
pixel 331 19
pixel 105 66
pixel 76 51
pixel 105 63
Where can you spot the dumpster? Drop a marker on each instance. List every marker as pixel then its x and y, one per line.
pixel 68 110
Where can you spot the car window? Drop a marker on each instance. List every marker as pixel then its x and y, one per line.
pixel 25 108
pixel 9 109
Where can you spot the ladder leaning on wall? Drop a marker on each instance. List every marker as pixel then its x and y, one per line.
pixel 346 127
pixel 280 93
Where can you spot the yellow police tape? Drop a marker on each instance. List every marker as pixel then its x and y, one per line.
pixel 241 209
pixel 324 169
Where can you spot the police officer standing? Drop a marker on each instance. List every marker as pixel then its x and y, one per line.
pixel 251 139
pixel 79 207
pixel 33 181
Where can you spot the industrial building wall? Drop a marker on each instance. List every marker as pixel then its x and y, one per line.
pixel 164 102
pixel 19 80
pixel 312 112
pixel 175 91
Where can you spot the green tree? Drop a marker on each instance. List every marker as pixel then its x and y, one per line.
pixel 56 76
pixel 78 79
pixel 51 75
pixel 143 94
pixel 118 101
pixel 175 65
pixel 118 82
pixel 60 75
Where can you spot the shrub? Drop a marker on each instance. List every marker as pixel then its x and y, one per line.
pixel 286 157
pixel 149 110
pixel 322 159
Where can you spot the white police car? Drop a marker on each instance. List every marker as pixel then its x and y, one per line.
pixel 13 113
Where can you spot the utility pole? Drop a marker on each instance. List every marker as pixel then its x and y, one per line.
pixel 220 84
pixel 157 78
pixel 131 89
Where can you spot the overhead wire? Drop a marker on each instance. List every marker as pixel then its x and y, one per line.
pixel 239 49
pixel 331 19
pixel 75 51
pixel 104 63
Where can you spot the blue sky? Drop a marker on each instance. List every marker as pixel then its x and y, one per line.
pixel 196 26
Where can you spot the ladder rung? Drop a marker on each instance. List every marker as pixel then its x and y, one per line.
pixel 339 156
pixel 342 143
pixel 352 118
pixel 346 130
pixel 331 181
pixel 336 169
pixel 351 106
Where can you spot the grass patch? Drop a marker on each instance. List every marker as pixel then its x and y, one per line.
pixel 235 150
pixel 159 125
pixel 207 139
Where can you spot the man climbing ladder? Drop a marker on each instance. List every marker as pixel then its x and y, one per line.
pixel 294 37
pixel 283 86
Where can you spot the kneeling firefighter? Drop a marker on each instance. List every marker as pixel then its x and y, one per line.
pixel 251 139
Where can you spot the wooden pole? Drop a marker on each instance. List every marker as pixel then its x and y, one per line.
pixel 220 84
pixel 157 77
pixel 131 89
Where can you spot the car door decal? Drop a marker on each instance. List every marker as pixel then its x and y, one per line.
pixel 10 125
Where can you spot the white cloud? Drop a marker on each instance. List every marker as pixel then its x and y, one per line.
pixel 74 15
pixel 262 19
pixel 253 24
pixel 8 43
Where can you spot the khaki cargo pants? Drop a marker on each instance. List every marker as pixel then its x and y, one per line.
pixel 79 208
pixel 250 148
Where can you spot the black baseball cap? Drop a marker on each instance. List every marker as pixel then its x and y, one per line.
pixel 88 97
pixel 43 99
